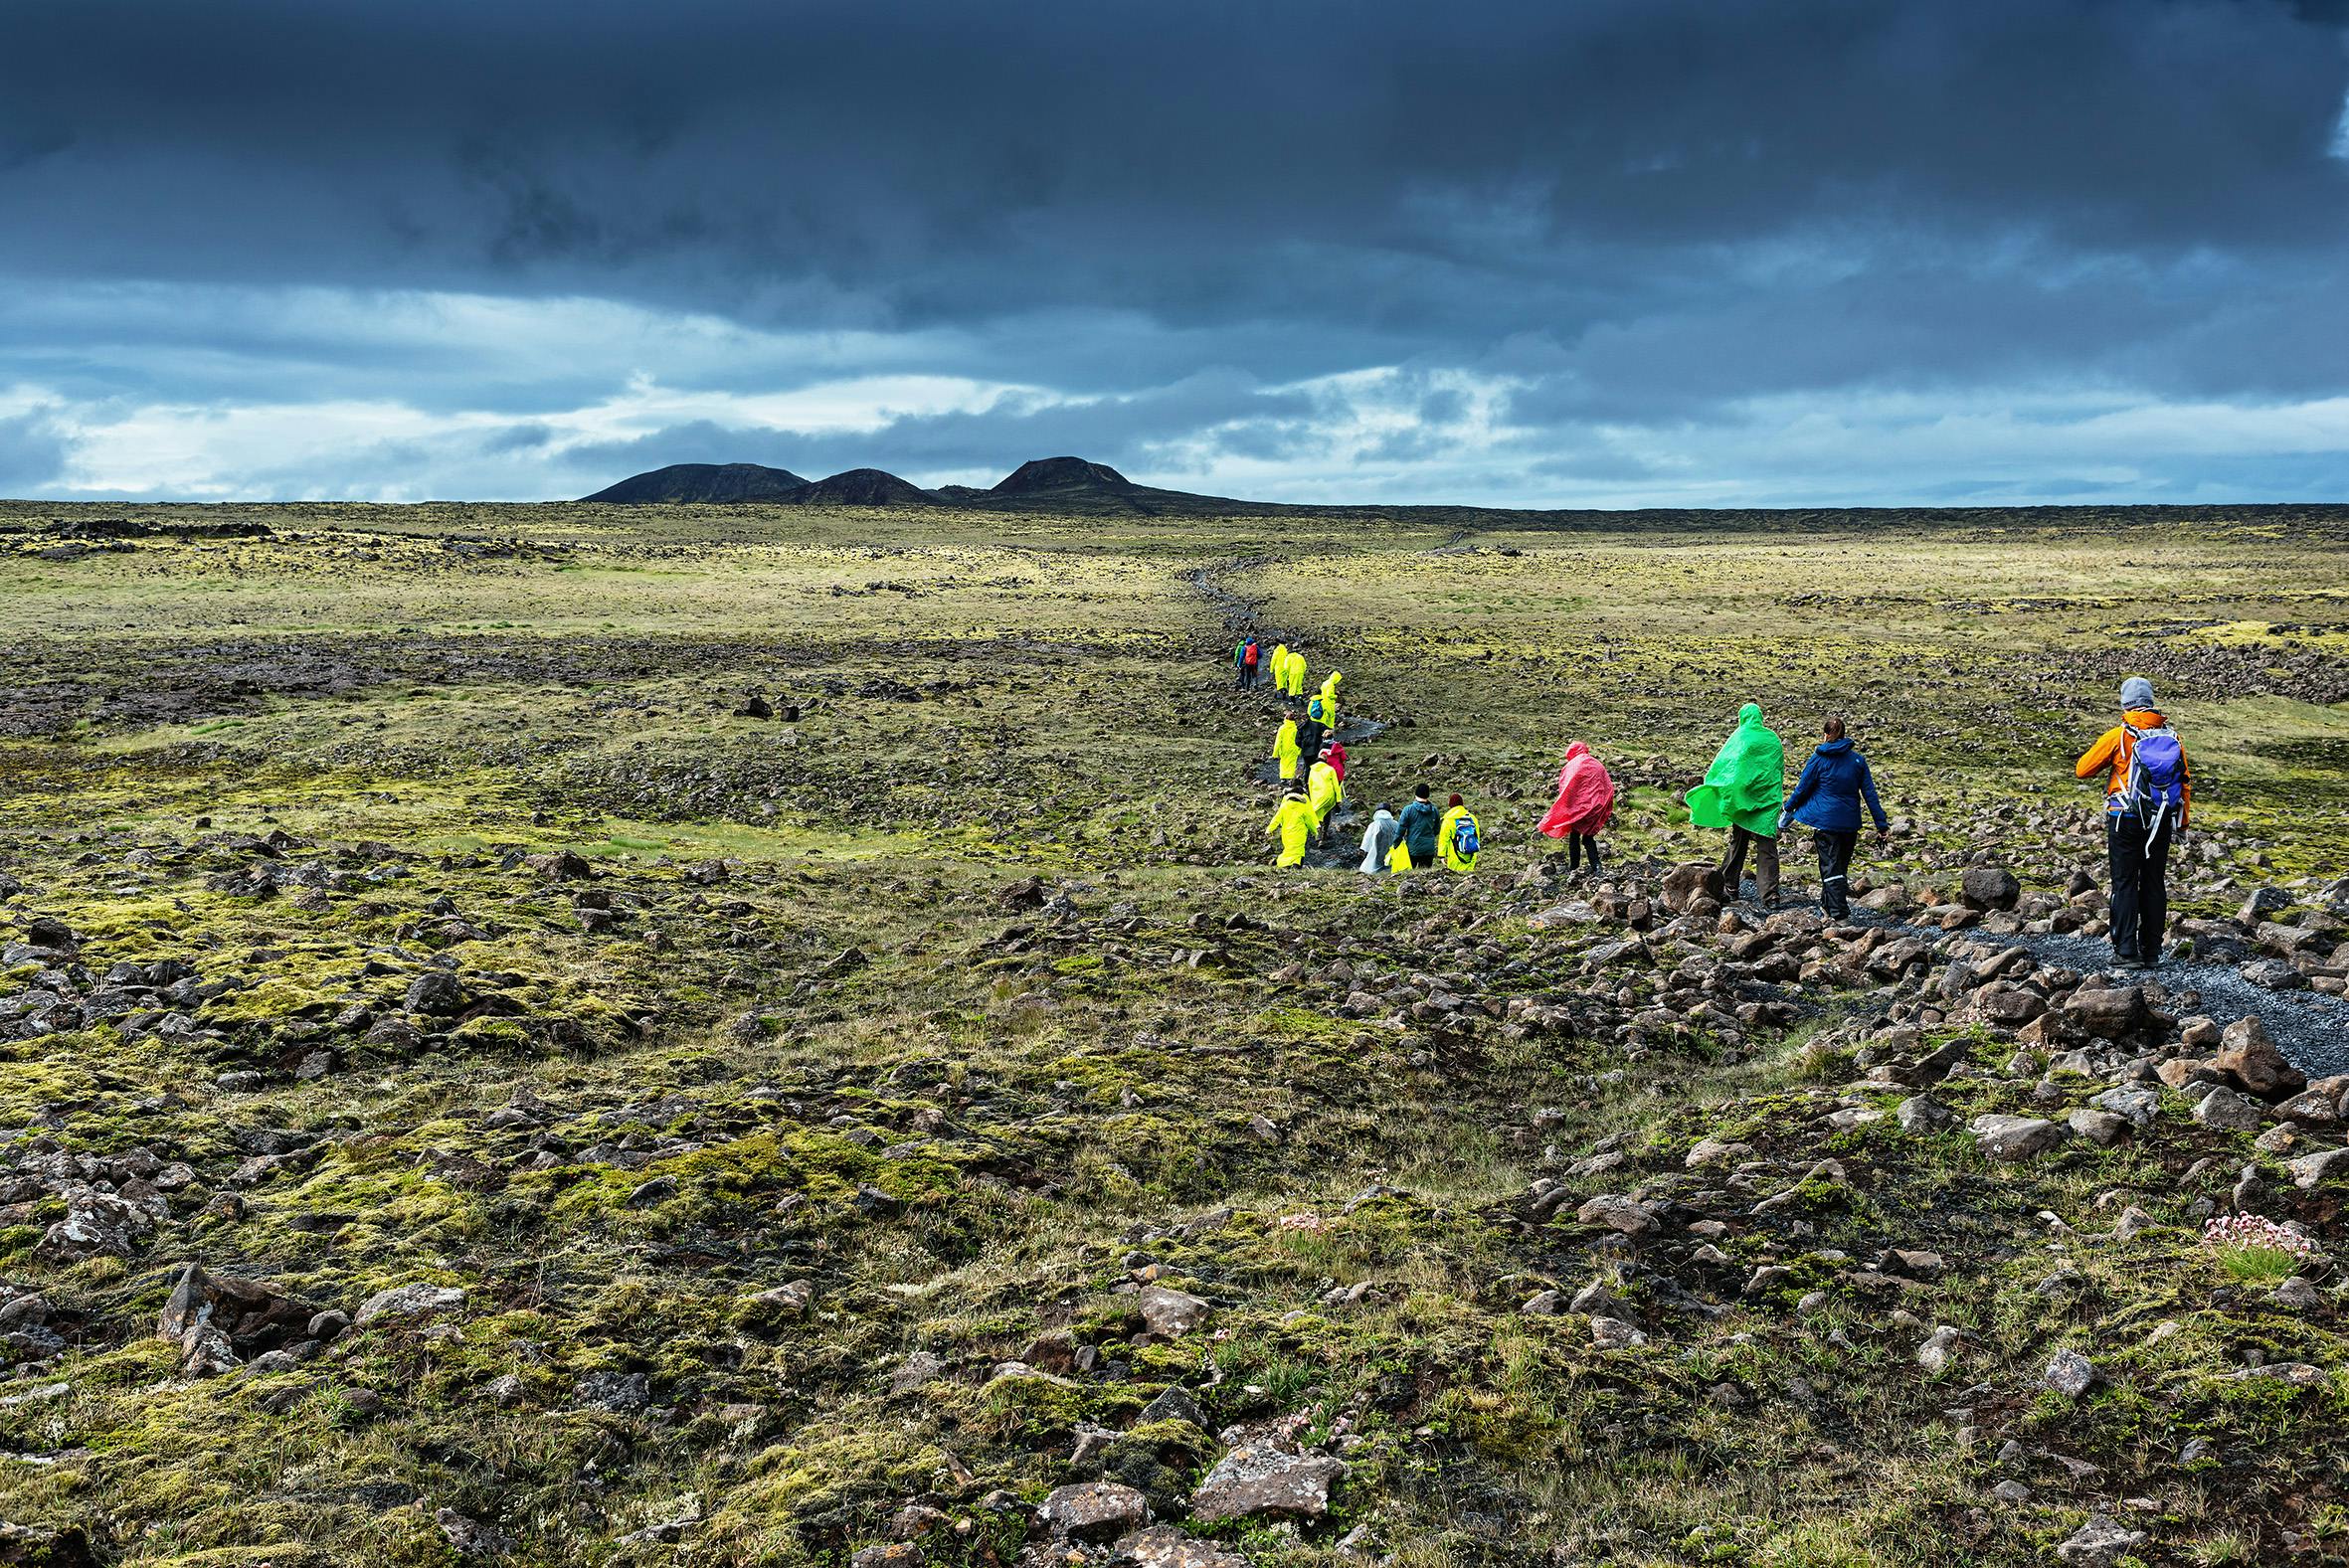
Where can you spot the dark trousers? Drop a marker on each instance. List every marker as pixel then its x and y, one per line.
pixel 1578 845
pixel 1765 864
pixel 2140 888
pixel 1835 867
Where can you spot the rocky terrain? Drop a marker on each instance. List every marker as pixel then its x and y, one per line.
pixel 552 1036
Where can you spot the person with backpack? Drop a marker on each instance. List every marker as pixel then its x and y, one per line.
pixel 1419 826
pixel 1378 842
pixel 1741 791
pixel 2148 793
pixel 1239 662
pixel 1248 664
pixel 1309 739
pixel 1827 799
pixel 1293 824
pixel 1325 786
pixel 1328 700
pixel 1285 747
pixel 1459 837
pixel 1585 803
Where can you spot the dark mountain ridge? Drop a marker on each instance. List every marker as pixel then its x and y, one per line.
pixel 705 481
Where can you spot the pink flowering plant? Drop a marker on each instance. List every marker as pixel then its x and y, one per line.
pixel 2255 1249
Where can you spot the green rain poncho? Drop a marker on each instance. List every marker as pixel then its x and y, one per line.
pixel 1746 781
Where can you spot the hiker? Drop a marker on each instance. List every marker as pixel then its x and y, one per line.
pixel 1293 823
pixel 2149 792
pixel 1278 667
pixel 1827 800
pixel 1419 824
pixel 1742 792
pixel 1328 700
pixel 1327 791
pixel 1293 680
pixel 1459 838
pixel 1239 662
pixel 1309 739
pixel 1248 662
pixel 1378 842
pixel 1284 749
pixel 1336 752
pixel 1584 805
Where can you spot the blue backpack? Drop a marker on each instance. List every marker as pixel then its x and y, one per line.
pixel 2156 784
pixel 1465 843
pixel 1312 710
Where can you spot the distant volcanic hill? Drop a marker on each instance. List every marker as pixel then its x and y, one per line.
pixel 863 487
pixel 1061 477
pixel 1062 486
pixel 707 482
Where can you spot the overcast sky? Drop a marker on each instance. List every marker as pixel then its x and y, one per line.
pixel 1551 252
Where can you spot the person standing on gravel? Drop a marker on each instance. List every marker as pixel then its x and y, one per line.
pixel 1293 824
pixel 1585 803
pixel 1827 799
pixel 1459 840
pixel 1293 680
pixel 1419 824
pixel 1378 842
pixel 2149 792
pixel 1742 792
pixel 1249 661
pixel 1325 786
pixel 1285 750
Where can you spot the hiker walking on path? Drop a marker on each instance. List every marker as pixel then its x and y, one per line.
pixel 1309 740
pixel 1378 842
pixel 1325 786
pixel 1419 824
pixel 1293 824
pixel 1328 700
pixel 1278 667
pixel 2149 792
pixel 1827 799
pixel 1584 805
pixel 1249 662
pixel 1336 752
pixel 1459 838
pixel 1291 679
pixel 1285 747
pixel 1742 792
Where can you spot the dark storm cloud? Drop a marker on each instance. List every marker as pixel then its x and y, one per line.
pixel 1631 212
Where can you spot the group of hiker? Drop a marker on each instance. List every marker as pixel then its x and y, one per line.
pixel 2148 793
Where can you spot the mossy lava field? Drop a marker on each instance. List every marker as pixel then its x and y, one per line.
pixel 721 1035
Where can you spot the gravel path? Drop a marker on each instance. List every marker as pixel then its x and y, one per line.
pixel 2309 1027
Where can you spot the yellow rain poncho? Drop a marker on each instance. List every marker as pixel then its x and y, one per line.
pixel 1293 826
pixel 1295 686
pixel 1284 749
pixel 1277 666
pixel 1325 789
pixel 1330 700
pixel 1447 838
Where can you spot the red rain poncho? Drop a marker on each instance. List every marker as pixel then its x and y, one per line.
pixel 1335 753
pixel 1585 795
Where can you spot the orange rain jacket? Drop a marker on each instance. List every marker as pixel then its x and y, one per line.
pixel 2115 751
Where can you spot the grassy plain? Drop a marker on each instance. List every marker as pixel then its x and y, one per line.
pixel 804 1023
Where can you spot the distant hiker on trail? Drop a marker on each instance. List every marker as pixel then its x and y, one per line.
pixel 2149 792
pixel 1420 823
pixel 1459 838
pixel 1742 792
pixel 1827 800
pixel 1584 805
pixel 1278 667
pixel 1309 739
pixel 1327 791
pixel 1330 700
pixel 1284 749
pixel 1248 662
pixel 1378 842
pixel 1293 824
pixel 1239 662
pixel 1291 677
